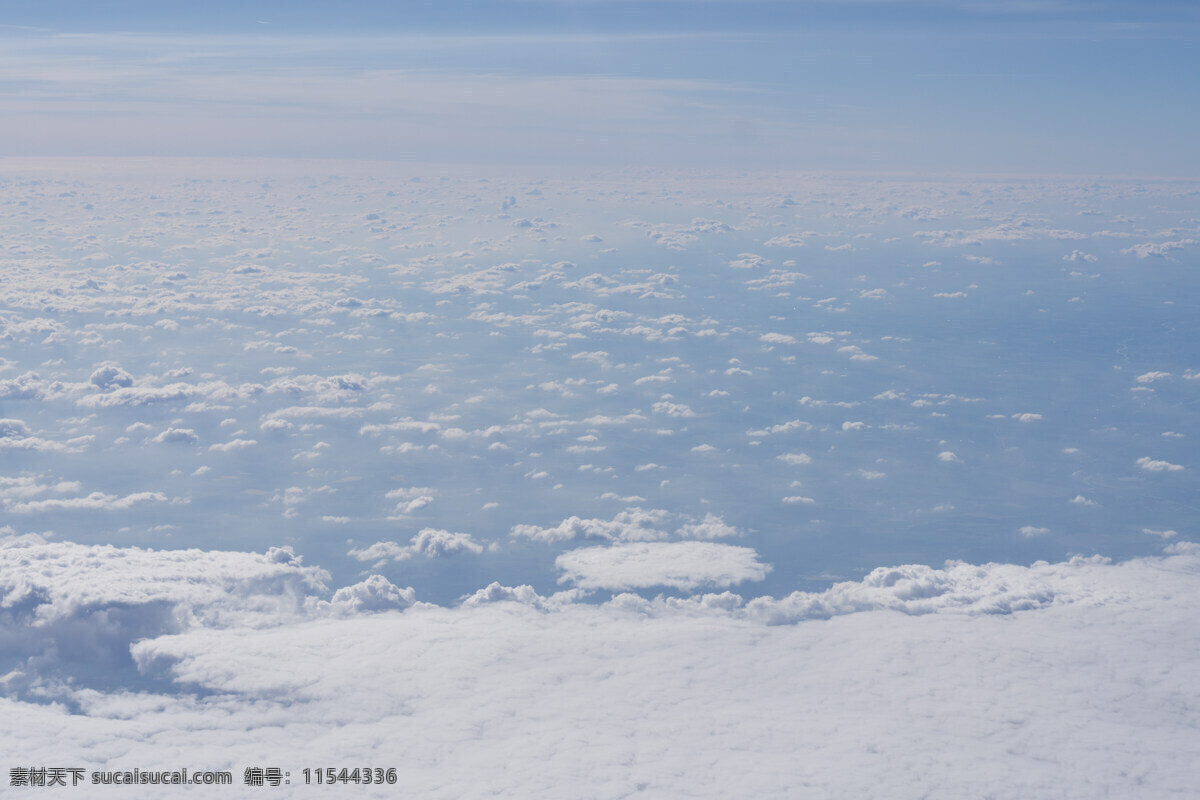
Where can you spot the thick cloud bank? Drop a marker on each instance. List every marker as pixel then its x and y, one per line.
pixel 1074 679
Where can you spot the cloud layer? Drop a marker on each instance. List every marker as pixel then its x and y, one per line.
pixel 911 682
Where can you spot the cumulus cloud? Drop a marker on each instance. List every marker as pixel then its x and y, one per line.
pixel 428 542
pixel 438 543
pixel 176 435
pixel 679 565
pixel 1157 249
pixel 630 525
pixel 673 409
pixel 376 593
pixel 1152 465
pixel 777 338
pixel 711 527
pixel 110 376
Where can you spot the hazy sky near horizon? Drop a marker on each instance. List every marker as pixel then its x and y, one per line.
pixel 1102 88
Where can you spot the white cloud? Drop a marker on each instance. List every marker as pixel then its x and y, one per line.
pixel 177 435
pixel 428 542
pixel 15 434
pixel 795 459
pixel 1029 531
pixel 232 445
pixel 1151 465
pixel 1157 249
pixel 784 427
pixel 749 261
pixel 438 543
pixel 786 240
pixel 1151 377
pixel 630 525
pixel 254 666
pixel 711 527
pixel 1168 534
pixel 673 409
pixel 376 593
pixel 406 507
pixel 381 551
pixel 96 501
pixel 947 455
pixel 777 338
pixel 680 565
pixel 110 376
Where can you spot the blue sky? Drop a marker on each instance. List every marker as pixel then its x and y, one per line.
pixel 1074 88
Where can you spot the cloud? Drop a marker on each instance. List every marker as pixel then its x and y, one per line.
pixel 437 543
pixel 376 593
pixel 96 501
pixel 1151 465
pixel 947 455
pixel 711 527
pixel 232 445
pixel 110 376
pixel 16 435
pixel 795 459
pixel 235 658
pixel 177 435
pixel 1157 249
pixel 66 602
pixel 673 409
pixel 411 499
pixel 630 525
pixel 749 261
pixel 381 551
pixel 777 338
pixel 784 427
pixel 679 565
pixel 786 240
pixel 524 595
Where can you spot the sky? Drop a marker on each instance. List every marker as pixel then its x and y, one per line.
pixel 680 399
pixel 1025 87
